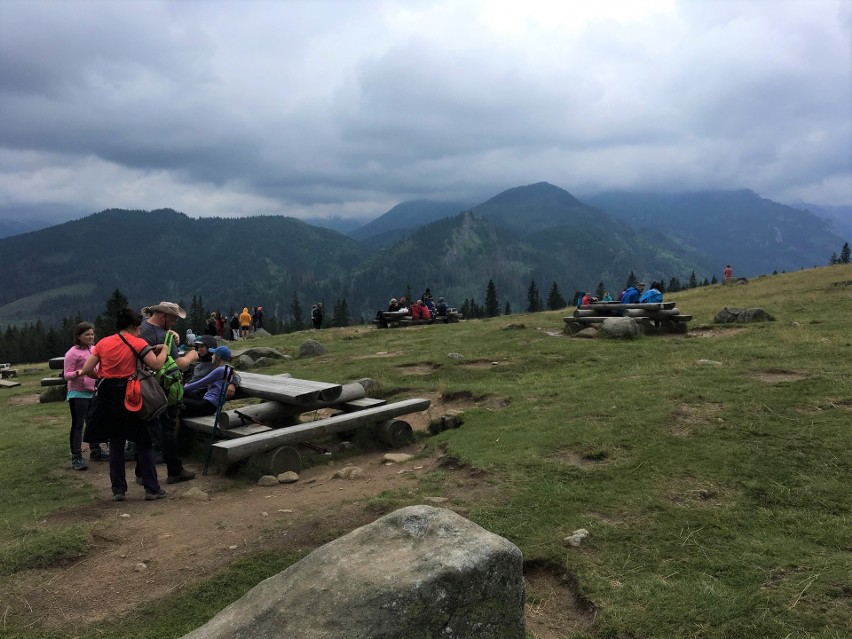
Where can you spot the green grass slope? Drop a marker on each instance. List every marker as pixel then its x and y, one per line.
pixel 712 471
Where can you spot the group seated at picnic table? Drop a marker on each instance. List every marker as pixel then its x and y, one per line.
pixel 422 311
pixel 646 306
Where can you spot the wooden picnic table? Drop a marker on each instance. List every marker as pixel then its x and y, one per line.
pixel 652 317
pixel 396 319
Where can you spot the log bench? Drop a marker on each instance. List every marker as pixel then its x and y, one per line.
pixel 272 451
pixel 652 317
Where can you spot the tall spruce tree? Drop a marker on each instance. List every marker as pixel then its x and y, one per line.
pixel 105 322
pixel 340 316
pixel 693 281
pixel 492 306
pixel 632 280
pixel 834 259
pixel 507 310
pixel 555 301
pixel 844 253
pixel 534 303
pixel 297 318
pixel 600 290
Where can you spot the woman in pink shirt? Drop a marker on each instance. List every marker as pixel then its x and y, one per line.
pixel 80 392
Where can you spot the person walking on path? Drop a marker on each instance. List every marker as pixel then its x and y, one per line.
pixel 163 318
pixel 728 273
pixel 80 392
pixel 113 360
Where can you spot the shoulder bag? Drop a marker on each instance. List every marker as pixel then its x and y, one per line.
pixel 144 395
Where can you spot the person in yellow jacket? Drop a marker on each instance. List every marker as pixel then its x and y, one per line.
pixel 245 322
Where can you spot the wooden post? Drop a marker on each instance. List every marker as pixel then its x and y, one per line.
pixel 276 461
pixel 394 432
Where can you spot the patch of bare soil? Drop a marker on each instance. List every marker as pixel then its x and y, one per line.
pixel 482 363
pixel 380 355
pixel 686 417
pixel 142 551
pixel 573 459
pixel 714 332
pixel 553 608
pixel 417 369
pixel 777 375
pixel 23 400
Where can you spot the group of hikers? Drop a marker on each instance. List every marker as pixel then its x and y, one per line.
pixel 424 308
pixel 105 404
pixel 239 326
pixel 636 294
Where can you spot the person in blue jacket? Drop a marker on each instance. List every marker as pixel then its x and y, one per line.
pixel 213 385
pixel 633 293
pixel 652 295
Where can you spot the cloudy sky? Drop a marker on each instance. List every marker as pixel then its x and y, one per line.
pixel 346 108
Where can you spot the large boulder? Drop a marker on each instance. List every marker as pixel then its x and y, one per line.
pixel 311 348
pixel 620 328
pixel 419 572
pixel 742 316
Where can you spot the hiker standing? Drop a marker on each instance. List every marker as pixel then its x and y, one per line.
pixel 316 315
pixel 728 273
pixel 163 317
pixel 245 322
pixel 80 392
pixel 235 327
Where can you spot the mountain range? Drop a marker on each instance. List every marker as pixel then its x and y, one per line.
pixel 538 232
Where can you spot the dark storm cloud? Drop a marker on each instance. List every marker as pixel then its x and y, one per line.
pixel 329 108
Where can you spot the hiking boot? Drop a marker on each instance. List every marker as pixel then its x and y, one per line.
pixel 98 454
pixel 185 475
pixel 155 496
pixel 118 497
pixel 77 462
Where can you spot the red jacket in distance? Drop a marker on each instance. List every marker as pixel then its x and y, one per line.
pixel 415 311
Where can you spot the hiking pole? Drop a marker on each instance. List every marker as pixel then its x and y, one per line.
pixel 222 395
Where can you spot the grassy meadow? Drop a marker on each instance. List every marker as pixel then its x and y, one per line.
pixel 713 472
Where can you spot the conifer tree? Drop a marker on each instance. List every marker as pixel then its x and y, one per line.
pixel 834 259
pixel 714 280
pixel 197 315
pixel 555 301
pixel 507 310
pixel 693 281
pixel 674 285
pixel 297 320
pixel 492 306
pixel 105 322
pixel 534 303
pixel 340 316
pixel 600 289
pixel 844 253
pixel 632 280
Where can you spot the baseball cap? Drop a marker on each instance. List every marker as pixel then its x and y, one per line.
pixel 222 351
pixel 205 340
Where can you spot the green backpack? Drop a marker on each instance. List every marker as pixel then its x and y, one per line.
pixel 170 376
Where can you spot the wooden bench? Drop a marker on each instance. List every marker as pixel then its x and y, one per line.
pixel 652 317
pixel 394 432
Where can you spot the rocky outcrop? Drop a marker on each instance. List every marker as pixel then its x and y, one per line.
pixel 742 316
pixel 419 572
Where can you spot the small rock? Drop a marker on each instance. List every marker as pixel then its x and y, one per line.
pixel 346 446
pixel 436 500
pixel 288 477
pixel 195 493
pixel 397 458
pixel 234 547
pixel 349 472
pixel 125 515
pixel 140 567
pixel 285 510
pixel 577 537
pixel 455 355
pixel 268 480
pixel 264 514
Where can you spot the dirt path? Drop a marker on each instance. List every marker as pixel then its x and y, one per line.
pixel 142 551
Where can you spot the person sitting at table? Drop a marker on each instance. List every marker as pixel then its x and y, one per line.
pixel 417 310
pixel 588 298
pixel 607 297
pixel 393 305
pixel 652 295
pixel 633 293
pixel 442 309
